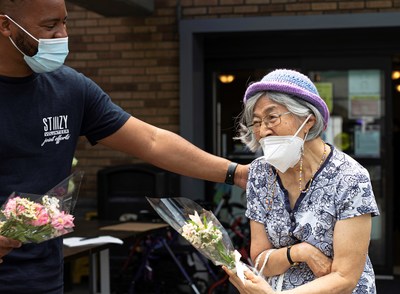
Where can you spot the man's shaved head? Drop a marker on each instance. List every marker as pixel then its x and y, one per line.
pixel 8 6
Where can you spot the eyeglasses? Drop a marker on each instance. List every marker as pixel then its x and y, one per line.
pixel 270 121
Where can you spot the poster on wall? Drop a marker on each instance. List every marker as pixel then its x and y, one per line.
pixel 364 93
pixel 367 141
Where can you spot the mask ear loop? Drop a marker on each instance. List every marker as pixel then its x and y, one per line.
pixel 16 46
pixel 302 125
pixel 305 137
pixel 25 31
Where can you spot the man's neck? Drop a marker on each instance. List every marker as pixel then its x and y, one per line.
pixel 14 71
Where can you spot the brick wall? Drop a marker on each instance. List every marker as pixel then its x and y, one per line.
pixel 135 59
pixel 237 8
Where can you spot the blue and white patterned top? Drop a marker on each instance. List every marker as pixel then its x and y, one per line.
pixel 341 189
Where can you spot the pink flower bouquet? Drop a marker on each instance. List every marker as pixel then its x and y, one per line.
pixel 32 218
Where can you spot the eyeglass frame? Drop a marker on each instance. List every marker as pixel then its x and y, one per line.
pixel 262 121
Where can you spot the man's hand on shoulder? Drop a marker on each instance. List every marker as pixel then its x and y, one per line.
pixel 241 174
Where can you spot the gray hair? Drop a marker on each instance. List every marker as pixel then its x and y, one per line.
pixel 297 106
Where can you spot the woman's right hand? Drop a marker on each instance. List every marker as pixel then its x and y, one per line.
pixel 251 285
pixel 6 245
pixel 317 261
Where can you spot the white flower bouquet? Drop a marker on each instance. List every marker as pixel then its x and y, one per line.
pixel 33 218
pixel 201 228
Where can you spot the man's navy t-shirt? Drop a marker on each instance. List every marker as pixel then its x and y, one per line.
pixel 41 118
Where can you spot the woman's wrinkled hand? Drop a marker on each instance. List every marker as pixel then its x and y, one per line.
pixel 6 245
pixel 253 284
pixel 317 261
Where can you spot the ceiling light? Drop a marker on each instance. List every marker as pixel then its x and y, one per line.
pixel 226 79
pixel 395 75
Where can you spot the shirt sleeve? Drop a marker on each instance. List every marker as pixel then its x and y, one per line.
pixel 256 192
pixel 355 194
pixel 101 117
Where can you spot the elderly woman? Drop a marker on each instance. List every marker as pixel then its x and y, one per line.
pixel 309 204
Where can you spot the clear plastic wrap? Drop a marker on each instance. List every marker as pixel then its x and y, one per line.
pixel 201 229
pixel 32 218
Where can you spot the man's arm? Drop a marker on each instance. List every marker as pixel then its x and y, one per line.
pixel 170 151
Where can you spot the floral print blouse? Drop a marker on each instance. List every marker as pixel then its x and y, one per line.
pixel 341 189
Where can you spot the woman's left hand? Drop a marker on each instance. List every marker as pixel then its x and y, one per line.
pixel 316 260
pixel 252 284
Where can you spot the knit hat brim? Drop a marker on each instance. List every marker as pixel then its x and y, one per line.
pixel 292 89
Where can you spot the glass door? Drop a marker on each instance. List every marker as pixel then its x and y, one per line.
pixel 356 100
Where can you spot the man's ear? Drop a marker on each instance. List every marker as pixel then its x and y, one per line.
pixel 4 26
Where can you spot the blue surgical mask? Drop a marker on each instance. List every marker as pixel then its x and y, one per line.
pixel 51 52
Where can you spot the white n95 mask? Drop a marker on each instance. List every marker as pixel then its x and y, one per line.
pixel 283 152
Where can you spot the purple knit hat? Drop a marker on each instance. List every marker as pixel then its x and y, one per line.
pixel 293 83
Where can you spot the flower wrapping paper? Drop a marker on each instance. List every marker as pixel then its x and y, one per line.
pixel 31 218
pixel 201 229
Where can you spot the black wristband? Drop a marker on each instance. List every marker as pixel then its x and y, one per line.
pixel 292 263
pixel 230 173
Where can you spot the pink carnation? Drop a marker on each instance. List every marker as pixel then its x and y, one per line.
pixel 62 221
pixel 11 206
pixel 42 216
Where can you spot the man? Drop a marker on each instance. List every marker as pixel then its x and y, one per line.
pixel 44 108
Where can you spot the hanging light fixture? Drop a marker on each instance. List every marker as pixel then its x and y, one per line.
pixel 226 78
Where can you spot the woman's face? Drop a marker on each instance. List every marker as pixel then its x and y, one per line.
pixel 274 119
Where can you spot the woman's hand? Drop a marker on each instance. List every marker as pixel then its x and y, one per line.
pixel 6 245
pixel 318 262
pixel 252 285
